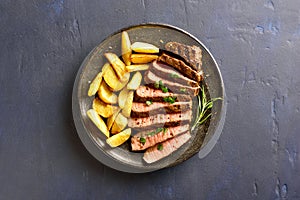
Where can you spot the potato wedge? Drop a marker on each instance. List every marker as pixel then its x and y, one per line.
pixel 112 118
pixel 126 48
pixel 95 84
pixel 98 121
pixel 106 94
pixel 123 97
pixel 142 58
pixel 112 80
pixel 143 47
pixel 133 68
pixel 103 109
pixel 128 104
pixel 135 82
pixel 120 138
pixel 117 64
pixel 119 124
pixel 105 67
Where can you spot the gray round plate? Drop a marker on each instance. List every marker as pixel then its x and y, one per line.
pixel 121 158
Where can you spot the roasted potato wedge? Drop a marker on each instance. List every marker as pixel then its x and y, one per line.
pixel 120 138
pixel 112 80
pixel 106 94
pixel 133 68
pixel 103 109
pixel 105 68
pixel 95 84
pixel 128 104
pixel 142 58
pixel 135 82
pixel 143 47
pixel 123 97
pixel 117 64
pixel 119 124
pixel 126 48
pixel 98 121
pixel 112 118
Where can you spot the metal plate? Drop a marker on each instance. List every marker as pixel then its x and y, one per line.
pixel 121 158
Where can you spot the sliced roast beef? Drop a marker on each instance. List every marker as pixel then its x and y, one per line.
pixel 164 149
pixel 141 109
pixel 150 77
pixel 160 120
pixel 172 74
pixel 146 139
pixel 182 67
pixel 191 54
pixel 146 93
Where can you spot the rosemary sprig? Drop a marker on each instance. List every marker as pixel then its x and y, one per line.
pixel 204 106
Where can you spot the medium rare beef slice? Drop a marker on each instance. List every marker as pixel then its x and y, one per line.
pixel 164 149
pixel 141 109
pixel 150 77
pixel 146 93
pixel 146 139
pixel 161 120
pixel 182 67
pixel 169 73
pixel 191 54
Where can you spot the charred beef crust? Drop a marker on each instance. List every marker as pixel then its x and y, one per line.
pixel 146 93
pixel 150 77
pixel 191 54
pixel 143 110
pixel 182 67
pixel 160 120
pixel 169 73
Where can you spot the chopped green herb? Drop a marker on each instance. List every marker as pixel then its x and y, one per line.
pixel 160 147
pixel 173 75
pixel 156 85
pixel 142 140
pixel 161 83
pixel 164 89
pixel 155 132
pixel 151 133
pixel 165 130
pixel 159 130
pixel 182 89
pixel 149 102
pixel 170 99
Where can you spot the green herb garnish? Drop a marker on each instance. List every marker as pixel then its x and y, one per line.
pixel 155 131
pixel 149 102
pixel 165 130
pixel 142 140
pixel 156 85
pixel 170 99
pixel 182 89
pixel 161 83
pixel 204 106
pixel 164 89
pixel 173 75
pixel 160 147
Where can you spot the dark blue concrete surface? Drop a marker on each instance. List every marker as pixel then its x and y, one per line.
pixel 257 46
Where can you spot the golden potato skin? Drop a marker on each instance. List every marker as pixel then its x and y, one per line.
pixel 106 94
pixel 126 48
pixel 98 121
pixel 142 58
pixel 119 124
pixel 103 109
pixel 113 81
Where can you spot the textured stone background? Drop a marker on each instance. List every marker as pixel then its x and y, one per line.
pixel 257 46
